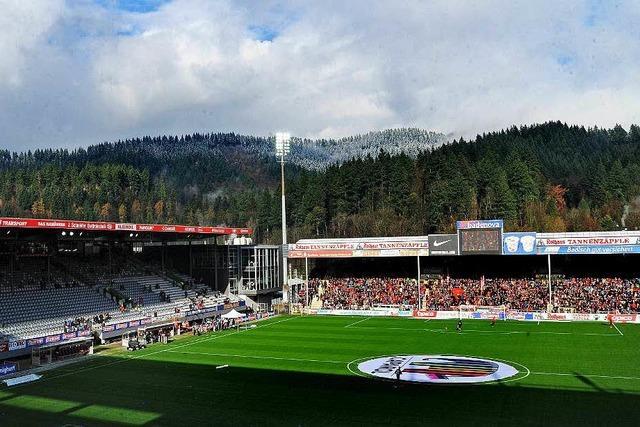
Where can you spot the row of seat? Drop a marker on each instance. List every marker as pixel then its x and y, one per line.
pixel 33 306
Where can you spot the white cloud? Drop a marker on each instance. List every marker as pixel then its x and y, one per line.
pixel 23 25
pixel 76 73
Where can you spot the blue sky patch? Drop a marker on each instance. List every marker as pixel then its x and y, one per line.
pixel 136 6
pixel 599 11
pixel 565 60
pixel 263 33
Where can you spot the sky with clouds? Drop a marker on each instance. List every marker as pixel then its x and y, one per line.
pixel 76 72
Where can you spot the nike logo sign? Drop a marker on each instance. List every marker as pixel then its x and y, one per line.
pixel 436 244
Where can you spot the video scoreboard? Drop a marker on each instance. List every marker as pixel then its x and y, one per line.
pixel 480 237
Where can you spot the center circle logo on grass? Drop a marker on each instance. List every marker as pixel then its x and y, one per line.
pixel 438 369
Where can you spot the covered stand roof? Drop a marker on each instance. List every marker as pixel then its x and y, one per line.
pixel 102 226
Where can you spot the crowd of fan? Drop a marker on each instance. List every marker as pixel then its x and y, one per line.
pixel 354 293
pixel 313 291
pixel 80 349
pixel 102 318
pixel 583 295
pixel 592 295
pixel 212 325
pixel 77 324
pixel 519 294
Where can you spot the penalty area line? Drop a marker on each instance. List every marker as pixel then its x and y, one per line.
pixel 618 329
pixel 357 321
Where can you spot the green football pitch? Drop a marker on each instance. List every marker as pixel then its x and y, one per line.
pixel 303 371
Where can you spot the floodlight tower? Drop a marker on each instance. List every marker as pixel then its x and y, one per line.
pixel 282 149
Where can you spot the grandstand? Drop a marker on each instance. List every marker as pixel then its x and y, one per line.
pixel 51 302
pixel 569 294
pixel 64 281
pixel 588 274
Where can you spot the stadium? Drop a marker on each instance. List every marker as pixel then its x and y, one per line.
pixel 319 213
pixel 135 324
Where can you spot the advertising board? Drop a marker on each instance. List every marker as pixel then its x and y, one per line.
pixel 592 243
pixel 443 244
pixel 519 244
pixel 477 224
pixel 360 248
pixel 63 224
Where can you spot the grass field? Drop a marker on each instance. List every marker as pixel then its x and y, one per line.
pixel 294 371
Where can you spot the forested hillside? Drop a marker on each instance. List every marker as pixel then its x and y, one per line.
pixel 549 177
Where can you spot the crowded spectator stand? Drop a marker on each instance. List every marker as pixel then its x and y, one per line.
pixel 581 295
pixel 480 265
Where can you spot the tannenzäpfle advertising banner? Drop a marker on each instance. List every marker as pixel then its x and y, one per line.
pixel 587 245
pixel 360 249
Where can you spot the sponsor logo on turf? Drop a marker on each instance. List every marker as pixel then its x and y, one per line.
pixel 438 369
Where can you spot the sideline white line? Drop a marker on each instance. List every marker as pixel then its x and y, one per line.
pixel 127 359
pixel 357 321
pixel 481 331
pixel 617 329
pixel 258 357
pixel 559 374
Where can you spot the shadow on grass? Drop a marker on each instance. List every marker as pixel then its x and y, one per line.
pixel 589 382
pixel 146 392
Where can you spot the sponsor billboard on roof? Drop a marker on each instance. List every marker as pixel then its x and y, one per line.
pixel 469 225
pixel 519 243
pixel 592 243
pixel 443 244
pixel 63 224
pixel 588 250
pixel 360 248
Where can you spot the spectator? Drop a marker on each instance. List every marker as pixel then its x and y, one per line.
pixel 583 295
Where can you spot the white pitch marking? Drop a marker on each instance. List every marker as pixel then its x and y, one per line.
pixel 357 321
pixel 523 332
pixel 244 356
pixel 126 359
pixel 480 331
pixel 560 374
pixel 617 329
